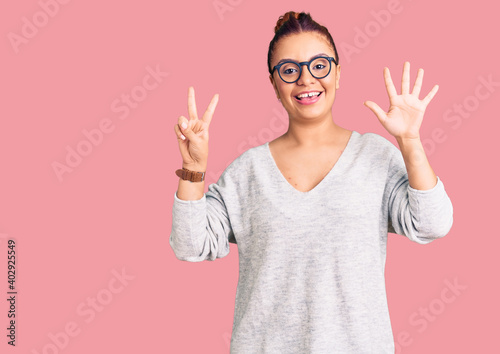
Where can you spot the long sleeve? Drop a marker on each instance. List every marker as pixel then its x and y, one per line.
pixel 420 215
pixel 201 229
pixel 311 264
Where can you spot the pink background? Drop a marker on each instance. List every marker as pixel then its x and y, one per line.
pixel 112 212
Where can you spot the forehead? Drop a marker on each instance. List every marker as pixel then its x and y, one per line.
pixel 301 46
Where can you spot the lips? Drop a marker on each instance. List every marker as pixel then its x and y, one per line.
pixel 309 99
pixel 311 94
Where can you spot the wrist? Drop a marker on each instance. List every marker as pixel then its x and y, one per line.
pixel 400 139
pixel 195 167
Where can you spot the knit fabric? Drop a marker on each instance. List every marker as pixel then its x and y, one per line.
pixel 311 264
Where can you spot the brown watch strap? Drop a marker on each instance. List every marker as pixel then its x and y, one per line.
pixel 189 175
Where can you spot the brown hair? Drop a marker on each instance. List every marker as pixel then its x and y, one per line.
pixel 293 22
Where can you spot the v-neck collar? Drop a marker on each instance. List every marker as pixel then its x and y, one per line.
pixel 333 171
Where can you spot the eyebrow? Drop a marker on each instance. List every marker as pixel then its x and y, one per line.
pixel 315 56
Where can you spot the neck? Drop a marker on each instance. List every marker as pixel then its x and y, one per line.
pixel 312 133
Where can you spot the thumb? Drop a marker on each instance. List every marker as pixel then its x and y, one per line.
pixel 379 112
pixel 186 128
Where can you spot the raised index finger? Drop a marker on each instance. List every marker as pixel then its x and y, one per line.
pixel 207 117
pixel 193 114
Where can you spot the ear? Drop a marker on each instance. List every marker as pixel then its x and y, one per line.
pixel 337 84
pixel 274 85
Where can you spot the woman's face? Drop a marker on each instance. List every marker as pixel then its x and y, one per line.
pixel 302 47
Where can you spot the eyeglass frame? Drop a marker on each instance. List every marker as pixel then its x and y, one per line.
pixel 300 64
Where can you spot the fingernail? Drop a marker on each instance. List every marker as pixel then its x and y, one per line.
pixel 184 125
pixel 183 137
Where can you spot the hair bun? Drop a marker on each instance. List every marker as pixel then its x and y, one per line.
pixel 285 18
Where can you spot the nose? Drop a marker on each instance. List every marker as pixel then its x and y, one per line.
pixel 305 77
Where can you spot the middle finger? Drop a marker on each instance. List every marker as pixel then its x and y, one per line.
pixel 405 82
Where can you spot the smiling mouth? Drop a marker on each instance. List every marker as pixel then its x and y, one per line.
pixel 311 96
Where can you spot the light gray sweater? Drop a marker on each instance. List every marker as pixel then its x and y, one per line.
pixel 311 264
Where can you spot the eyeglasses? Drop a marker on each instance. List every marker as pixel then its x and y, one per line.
pixel 290 71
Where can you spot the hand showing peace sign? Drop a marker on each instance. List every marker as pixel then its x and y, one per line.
pixel 406 111
pixel 192 134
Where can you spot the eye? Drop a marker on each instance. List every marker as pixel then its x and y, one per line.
pixel 319 66
pixel 289 71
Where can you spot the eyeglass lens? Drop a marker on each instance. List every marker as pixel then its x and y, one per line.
pixel 320 67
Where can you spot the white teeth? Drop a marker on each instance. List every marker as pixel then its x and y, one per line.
pixel 308 94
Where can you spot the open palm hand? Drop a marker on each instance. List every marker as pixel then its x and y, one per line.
pixel 406 111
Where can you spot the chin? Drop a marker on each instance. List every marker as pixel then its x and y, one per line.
pixel 313 114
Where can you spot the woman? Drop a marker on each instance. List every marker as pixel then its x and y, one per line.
pixel 311 210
